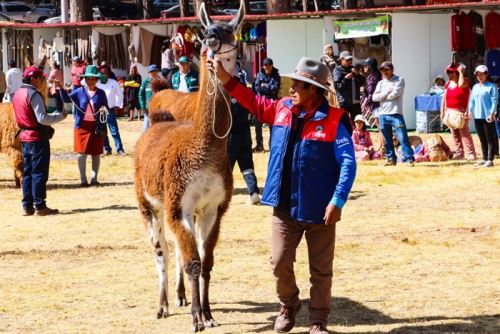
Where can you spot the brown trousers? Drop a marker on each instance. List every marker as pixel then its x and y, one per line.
pixel 286 236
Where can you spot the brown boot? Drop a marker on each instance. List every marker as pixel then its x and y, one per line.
pixel 46 211
pixel 286 318
pixel 318 328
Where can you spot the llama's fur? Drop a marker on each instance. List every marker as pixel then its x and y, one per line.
pixel 9 142
pixel 184 181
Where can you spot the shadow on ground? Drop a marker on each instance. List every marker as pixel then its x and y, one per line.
pixel 349 313
pixel 87 210
pixel 76 185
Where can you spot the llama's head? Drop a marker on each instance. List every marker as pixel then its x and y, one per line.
pixel 219 37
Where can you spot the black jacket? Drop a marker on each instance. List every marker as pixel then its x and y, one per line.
pixel 343 86
pixel 267 85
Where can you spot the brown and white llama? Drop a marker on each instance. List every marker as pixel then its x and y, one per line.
pixel 182 175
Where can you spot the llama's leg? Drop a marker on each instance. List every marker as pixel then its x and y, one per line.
pixel 17 163
pixel 184 233
pixel 179 275
pixel 208 232
pixel 157 236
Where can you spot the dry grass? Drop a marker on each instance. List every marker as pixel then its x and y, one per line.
pixel 417 252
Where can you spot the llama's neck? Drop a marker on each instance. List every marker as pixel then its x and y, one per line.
pixel 207 108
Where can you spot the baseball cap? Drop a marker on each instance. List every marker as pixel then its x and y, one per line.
pixel 33 71
pixel 482 69
pixel 267 61
pixel 386 65
pixel 453 67
pixel 77 59
pixel 345 55
pixel 359 118
pixel 184 59
pixel 152 68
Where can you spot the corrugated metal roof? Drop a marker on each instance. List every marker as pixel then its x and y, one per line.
pixel 350 12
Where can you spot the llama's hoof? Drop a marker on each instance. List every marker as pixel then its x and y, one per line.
pixel 198 328
pixel 181 302
pixel 162 312
pixel 210 323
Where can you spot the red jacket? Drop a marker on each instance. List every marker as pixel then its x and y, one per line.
pixel 25 117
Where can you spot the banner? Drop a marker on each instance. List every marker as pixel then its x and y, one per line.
pixel 361 28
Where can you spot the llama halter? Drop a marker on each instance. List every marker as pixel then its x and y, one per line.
pixel 216 90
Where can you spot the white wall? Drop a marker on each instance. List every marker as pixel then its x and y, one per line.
pixel 289 40
pixel 420 50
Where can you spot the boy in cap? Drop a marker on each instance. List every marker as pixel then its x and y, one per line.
pixel 311 172
pixel 266 84
pixel 145 92
pixel 32 118
pixel 77 69
pixel 348 82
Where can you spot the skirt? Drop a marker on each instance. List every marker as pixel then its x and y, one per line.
pixel 86 141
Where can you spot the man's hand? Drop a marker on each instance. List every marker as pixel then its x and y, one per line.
pixel 332 214
pixel 349 76
pixel 490 118
pixel 218 68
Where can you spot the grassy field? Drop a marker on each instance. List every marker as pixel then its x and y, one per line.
pixel 418 251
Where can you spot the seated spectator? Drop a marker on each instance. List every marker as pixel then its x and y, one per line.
pixel 437 87
pixel 433 149
pixel 363 145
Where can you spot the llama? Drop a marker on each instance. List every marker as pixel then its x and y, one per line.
pixel 9 142
pixel 183 178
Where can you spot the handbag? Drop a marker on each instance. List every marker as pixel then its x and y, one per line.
pixel 100 129
pixel 454 119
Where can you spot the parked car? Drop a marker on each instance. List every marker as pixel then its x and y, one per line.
pixel 116 9
pixel 96 16
pixel 54 8
pixel 21 11
pixel 5 18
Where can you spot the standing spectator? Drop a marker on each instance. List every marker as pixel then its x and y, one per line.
pixel 32 118
pixel 266 84
pixel 145 93
pixel 363 145
pixel 328 58
pixel 88 102
pixel 348 82
pixel 77 69
pixel 483 104
pixel 132 86
pixel 167 56
pixel 240 144
pixel 114 96
pixel 369 108
pixel 56 74
pixel 456 97
pixel 185 79
pixel 14 79
pixel 389 92
pixel 311 172
pixel 3 85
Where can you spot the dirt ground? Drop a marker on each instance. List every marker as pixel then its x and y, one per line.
pixel 418 251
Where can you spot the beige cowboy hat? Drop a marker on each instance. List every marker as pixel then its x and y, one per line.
pixel 312 71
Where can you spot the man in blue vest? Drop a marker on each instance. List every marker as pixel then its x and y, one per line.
pixel 185 79
pixel 310 174
pixel 33 120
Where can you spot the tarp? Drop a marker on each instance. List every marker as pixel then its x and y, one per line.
pixel 362 28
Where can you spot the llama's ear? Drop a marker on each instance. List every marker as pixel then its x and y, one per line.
pixel 206 21
pixel 237 21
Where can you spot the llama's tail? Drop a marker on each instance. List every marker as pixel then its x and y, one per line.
pixel 161 116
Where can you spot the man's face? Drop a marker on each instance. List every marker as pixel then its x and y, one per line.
pixel 300 94
pixel 184 67
pixel 387 72
pixel 153 74
pixel 38 81
pixel 268 69
pixel 346 62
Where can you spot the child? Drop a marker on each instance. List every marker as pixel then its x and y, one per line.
pixel 363 145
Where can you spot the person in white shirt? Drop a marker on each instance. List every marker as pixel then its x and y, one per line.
pixel 389 92
pixel 14 80
pixel 114 95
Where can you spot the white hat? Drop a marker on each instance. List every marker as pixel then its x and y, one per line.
pixel 359 118
pixel 482 69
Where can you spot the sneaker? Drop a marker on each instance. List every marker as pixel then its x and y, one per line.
pixel 28 212
pixel 254 199
pixel 390 162
pixel 106 153
pixel 286 318
pixel 479 163
pixel 95 183
pixel 121 152
pixel 410 163
pixel 458 157
pixel 318 328
pixel 46 211
pixel 488 163
pixel 471 158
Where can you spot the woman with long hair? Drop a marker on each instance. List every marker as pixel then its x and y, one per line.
pixel 456 97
